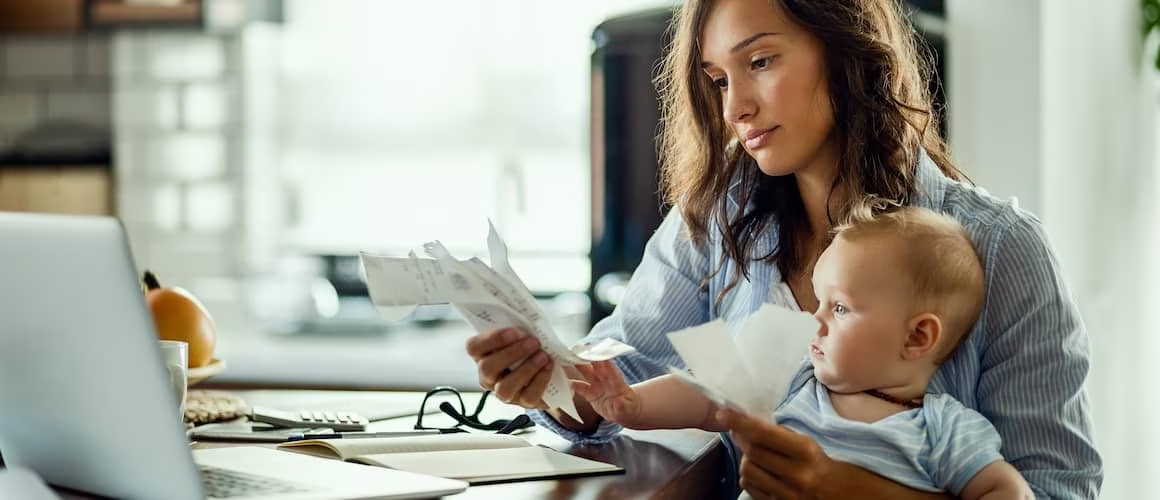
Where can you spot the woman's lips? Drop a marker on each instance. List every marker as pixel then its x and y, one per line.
pixel 755 139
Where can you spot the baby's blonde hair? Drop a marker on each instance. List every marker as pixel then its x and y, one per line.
pixel 943 266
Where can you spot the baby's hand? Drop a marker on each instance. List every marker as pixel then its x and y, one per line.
pixel 605 389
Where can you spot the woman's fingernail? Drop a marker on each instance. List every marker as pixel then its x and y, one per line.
pixel 530 342
pixel 540 358
pixel 510 335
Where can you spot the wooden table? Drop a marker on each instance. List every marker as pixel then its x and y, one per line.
pixel 658 464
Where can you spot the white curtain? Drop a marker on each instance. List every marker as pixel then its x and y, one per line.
pixel 1052 101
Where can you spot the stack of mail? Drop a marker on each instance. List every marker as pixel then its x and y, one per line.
pixel 488 297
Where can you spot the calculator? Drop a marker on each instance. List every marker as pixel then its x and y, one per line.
pixel 339 421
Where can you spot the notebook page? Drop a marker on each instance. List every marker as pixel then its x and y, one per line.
pixel 353 447
pixel 490 466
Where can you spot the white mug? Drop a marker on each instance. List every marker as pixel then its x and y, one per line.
pixel 176 356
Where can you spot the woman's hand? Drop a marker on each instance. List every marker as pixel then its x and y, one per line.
pixel 512 366
pixel 777 462
pixel 610 396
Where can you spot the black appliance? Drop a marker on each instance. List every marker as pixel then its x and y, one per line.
pixel 625 121
pixel 625 124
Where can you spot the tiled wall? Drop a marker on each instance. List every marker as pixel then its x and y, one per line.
pixel 173 134
pixel 190 118
pixel 196 185
pixel 53 79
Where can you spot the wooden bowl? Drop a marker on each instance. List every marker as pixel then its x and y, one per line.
pixel 199 374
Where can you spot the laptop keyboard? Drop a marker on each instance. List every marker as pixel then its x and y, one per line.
pixel 225 483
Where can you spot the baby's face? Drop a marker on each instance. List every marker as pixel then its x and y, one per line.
pixel 865 301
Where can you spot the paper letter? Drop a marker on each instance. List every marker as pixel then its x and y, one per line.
pixel 752 369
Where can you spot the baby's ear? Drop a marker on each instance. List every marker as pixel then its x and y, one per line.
pixel 924 332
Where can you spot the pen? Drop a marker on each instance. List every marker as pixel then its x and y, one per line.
pixel 351 435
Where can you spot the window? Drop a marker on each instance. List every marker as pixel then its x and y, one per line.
pixel 404 122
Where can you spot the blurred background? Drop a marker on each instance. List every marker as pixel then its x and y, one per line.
pixel 253 147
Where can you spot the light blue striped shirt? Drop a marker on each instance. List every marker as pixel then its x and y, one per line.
pixel 937 448
pixel 1023 365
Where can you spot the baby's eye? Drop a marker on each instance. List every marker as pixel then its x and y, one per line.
pixel 840 309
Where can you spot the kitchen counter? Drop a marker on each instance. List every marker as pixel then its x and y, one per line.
pixel 414 358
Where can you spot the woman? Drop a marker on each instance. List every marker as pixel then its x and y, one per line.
pixel 782 117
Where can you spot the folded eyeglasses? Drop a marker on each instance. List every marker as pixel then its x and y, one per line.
pixel 462 418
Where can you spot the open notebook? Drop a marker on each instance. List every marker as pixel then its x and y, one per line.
pixel 475 458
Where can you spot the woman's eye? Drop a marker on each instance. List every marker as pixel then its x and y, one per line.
pixel 720 83
pixel 762 63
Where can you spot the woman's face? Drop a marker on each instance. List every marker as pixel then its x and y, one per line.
pixel 772 77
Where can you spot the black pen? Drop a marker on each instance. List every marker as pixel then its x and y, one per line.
pixel 351 435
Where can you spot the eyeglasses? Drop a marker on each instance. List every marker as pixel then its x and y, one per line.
pixel 462 418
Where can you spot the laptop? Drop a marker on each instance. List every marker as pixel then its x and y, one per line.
pixel 84 394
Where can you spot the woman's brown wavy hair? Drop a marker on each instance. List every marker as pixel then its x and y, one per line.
pixel 883 118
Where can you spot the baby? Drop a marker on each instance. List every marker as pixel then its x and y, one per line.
pixel 898 293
